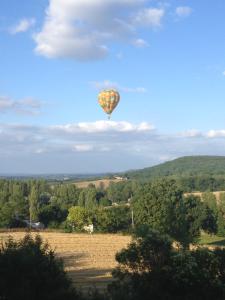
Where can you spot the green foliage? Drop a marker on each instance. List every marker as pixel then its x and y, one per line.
pixel 221 215
pixel 192 173
pixel 78 217
pixel 88 197
pixel 52 214
pixel 82 198
pixel 198 217
pixel 91 198
pixel 30 270
pixel 18 201
pixel 150 268
pixel 194 215
pixel 201 182
pixel 160 205
pixel 185 167
pixel 120 192
pixel 65 195
pixel 104 202
pixel 7 215
pixel 50 204
pixel 113 219
pixel 34 204
pixel 210 200
pixel 210 224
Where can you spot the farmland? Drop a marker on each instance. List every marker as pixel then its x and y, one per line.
pixel 97 183
pixel 88 259
pixel 199 194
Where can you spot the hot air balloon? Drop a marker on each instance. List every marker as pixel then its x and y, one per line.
pixel 108 100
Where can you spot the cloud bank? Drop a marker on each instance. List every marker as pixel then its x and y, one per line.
pixel 100 146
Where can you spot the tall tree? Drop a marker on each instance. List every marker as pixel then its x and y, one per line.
pixel 210 200
pixel 221 215
pixel 78 217
pixel 18 201
pixel 160 205
pixel 34 204
pixel 91 198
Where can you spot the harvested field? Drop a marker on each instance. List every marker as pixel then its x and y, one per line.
pixel 98 183
pixel 217 194
pixel 88 259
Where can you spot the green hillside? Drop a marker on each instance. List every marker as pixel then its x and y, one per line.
pixel 184 167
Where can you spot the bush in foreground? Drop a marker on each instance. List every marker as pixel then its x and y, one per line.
pixel 30 270
pixel 150 268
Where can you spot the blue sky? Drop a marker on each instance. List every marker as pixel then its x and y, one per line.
pixel 166 58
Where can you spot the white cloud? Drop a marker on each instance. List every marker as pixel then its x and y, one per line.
pixel 215 133
pixel 191 133
pixel 24 106
pixel 39 151
pixel 100 146
pixel 83 148
pixel 223 73
pixel 83 29
pixel 103 127
pixel 140 43
pixel 23 26
pixel 107 84
pixel 151 17
pixel 183 11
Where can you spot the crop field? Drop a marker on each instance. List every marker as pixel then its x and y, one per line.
pixel 98 183
pixel 217 194
pixel 88 259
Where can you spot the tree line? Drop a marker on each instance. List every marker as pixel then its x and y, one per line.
pixel 38 200
pixel 160 204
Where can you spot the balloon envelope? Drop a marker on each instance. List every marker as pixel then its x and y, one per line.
pixel 108 100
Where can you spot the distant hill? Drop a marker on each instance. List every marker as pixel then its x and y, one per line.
pixel 183 167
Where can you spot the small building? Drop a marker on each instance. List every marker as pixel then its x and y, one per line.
pixel 34 225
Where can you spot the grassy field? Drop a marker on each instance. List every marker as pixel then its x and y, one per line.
pixel 212 240
pixel 98 183
pixel 88 259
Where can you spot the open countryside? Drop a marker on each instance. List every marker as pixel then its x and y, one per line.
pixel 165 217
pixel 89 259
pixel 112 150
